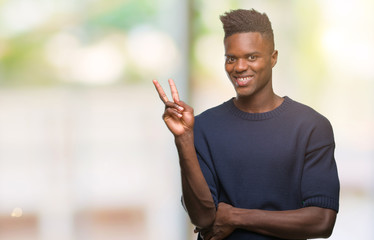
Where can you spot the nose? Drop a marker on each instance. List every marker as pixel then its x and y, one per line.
pixel 241 65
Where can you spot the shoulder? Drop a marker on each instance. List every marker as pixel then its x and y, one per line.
pixel 213 113
pixel 306 114
pixel 212 119
pixel 310 121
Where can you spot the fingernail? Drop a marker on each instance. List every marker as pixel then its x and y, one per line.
pixel 180 108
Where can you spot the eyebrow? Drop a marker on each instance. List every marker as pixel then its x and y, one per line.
pixel 248 54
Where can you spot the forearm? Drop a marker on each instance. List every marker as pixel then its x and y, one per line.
pixel 196 194
pixel 310 222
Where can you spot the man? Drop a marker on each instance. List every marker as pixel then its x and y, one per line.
pixel 258 166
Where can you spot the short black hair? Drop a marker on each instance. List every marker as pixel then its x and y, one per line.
pixel 243 20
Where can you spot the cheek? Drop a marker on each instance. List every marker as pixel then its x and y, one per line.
pixel 228 68
pixel 258 66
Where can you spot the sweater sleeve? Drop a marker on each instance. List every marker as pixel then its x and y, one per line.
pixel 320 183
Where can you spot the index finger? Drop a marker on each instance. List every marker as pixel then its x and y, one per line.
pixel 160 91
pixel 174 91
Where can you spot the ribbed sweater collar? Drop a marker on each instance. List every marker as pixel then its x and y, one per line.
pixel 258 116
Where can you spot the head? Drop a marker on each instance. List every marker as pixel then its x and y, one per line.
pixel 249 51
pixel 242 21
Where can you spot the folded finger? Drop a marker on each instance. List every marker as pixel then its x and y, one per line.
pixel 174 105
pixel 172 113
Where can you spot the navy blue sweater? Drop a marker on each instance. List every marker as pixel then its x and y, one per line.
pixel 278 160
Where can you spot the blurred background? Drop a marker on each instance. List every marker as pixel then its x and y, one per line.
pixel 84 153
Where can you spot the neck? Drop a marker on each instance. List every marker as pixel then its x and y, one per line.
pixel 258 104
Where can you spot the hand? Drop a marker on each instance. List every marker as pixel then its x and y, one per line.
pixel 221 227
pixel 178 116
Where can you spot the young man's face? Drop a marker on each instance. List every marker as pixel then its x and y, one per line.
pixel 249 61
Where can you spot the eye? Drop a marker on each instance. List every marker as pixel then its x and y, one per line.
pixel 230 59
pixel 252 57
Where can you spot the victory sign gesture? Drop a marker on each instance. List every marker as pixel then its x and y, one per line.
pixel 178 116
pixel 197 198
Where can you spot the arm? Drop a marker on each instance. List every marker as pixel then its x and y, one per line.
pixel 308 222
pixel 197 198
pixel 196 194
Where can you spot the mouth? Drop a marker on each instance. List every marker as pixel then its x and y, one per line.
pixel 243 81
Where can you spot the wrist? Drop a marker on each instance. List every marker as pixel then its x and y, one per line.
pixel 184 138
pixel 186 149
pixel 242 218
pixel 234 217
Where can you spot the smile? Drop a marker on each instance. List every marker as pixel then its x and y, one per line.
pixel 242 81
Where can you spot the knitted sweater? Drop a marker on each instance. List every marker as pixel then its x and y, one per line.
pixel 277 160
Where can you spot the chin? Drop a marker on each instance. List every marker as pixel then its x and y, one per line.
pixel 243 93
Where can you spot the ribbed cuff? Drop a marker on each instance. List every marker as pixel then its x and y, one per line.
pixel 323 202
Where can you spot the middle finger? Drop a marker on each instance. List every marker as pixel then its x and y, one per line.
pixel 174 91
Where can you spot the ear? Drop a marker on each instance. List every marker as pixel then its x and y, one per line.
pixel 274 58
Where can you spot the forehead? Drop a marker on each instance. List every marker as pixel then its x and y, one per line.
pixel 248 42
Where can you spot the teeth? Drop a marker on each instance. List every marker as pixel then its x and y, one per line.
pixel 243 79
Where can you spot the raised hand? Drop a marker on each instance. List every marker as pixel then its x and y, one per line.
pixel 178 116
